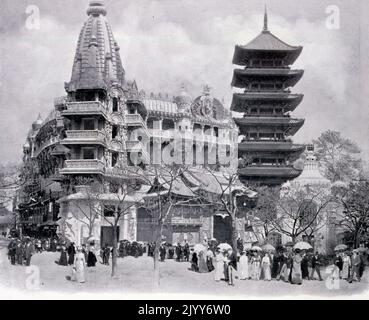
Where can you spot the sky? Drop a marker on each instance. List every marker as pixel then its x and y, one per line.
pixel 165 43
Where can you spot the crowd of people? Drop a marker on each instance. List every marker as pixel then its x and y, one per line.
pixel 289 265
pixel 20 251
pixel 286 264
pixel 349 265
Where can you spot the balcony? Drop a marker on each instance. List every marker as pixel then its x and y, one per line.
pixel 137 147
pixel 85 108
pixel 164 134
pixel 84 137
pixel 79 166
pixel 47 143
pixel 136 121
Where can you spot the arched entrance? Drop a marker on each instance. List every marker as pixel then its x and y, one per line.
pixel 222 228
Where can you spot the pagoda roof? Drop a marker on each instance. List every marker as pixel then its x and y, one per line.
pixel 266 42
pixel 290 125
pixel 242 100
pixel 286 173
pixel 288 76
pixel 282 146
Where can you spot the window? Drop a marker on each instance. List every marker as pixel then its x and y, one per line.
pixel 88 124
pixel 109 211
pixel 88 153
pixel 114 132
pixel 115 104
pixel 114 158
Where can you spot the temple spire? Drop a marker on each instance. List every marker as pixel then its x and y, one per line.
pixel 265 29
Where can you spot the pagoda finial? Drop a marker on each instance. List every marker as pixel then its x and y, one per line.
pixel 265 29
pixel 206 89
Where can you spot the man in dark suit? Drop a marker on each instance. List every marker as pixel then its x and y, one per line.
pixel 315 266
pixel 28 252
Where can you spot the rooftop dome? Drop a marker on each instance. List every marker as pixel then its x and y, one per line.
pixel 208 106
pixel 312 172
pixel 97 61
pixel 26 146
pixel 184 100
pixel 38 123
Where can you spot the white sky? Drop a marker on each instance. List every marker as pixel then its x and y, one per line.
pixel 167 42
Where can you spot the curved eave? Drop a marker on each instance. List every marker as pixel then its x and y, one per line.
pixel 291 126
pixel 275 172
pixel 83 142
pixel 242 54
pixel 241 101
pixel 241 77
pixel 261 146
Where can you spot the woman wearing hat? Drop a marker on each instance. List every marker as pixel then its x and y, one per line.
pixel 355 266
pixel 79 266
pixel 255 266
pixel 244 266
pixel 219 265
pixel 346 266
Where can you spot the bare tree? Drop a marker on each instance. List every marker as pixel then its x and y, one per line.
pixel 354 200
pixel 123 201
pixel 89 208
pixel 301 210
pixel 163 181
pixel 226 198
pixel 265 209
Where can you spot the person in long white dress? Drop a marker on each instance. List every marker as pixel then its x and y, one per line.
pixel 219 266
pixel 346 266
pixel 79 266
pixel 266 264
pixel 244 266
pixel 255 262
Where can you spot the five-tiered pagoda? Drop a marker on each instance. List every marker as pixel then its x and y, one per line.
pixel 266 152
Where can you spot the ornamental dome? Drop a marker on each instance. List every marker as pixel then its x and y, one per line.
pixel 26 146
pixel 97 63
pixel 208 106
pixel 184 101
pixel 38 123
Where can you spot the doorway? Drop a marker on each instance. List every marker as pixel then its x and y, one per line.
pixel 106 236
pixel 222 229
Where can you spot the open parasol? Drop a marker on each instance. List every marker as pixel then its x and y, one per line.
pixel 224 247
pixel 302 245
pixel 268 247
pixel 340 247
pixel 256 248
pixel 199 247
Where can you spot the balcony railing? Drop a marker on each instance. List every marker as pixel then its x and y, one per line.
pixel 165 134
pixel 84 136
pixel 135 120
pixel 186 221
pixel 82 166
pixel 53 140
pixel 85 108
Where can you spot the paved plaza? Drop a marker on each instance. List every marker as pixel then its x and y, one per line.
pixel 135 277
